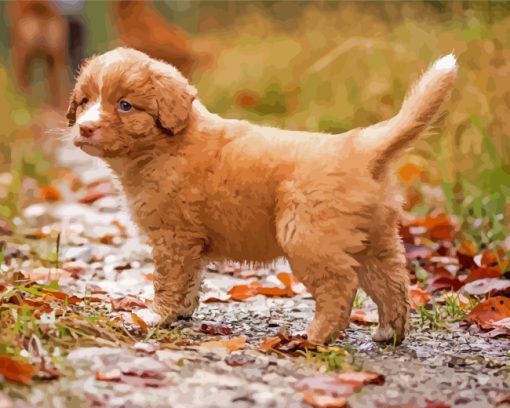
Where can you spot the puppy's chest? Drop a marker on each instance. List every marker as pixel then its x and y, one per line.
pixel 164 201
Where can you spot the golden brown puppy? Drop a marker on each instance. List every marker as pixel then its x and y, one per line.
pixel 205 188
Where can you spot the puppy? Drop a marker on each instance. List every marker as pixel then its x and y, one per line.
pixel 205 188
pixel 140 26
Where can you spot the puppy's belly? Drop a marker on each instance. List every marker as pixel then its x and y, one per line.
pixel 245 245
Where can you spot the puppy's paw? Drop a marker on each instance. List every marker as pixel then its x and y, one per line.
pixel 318 334
pixel 387 334
pixel 150 317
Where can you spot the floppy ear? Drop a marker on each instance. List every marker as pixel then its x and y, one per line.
pixel 174 96
pixel 71 111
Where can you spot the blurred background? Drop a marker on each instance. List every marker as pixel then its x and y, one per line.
pixel 321 66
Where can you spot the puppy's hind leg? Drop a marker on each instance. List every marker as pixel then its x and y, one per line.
pixel 384 277
pixel 333 288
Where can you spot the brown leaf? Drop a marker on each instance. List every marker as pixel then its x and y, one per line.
pixel 360 378
pixel 128 303
pixel 229 344
pixel 16 370
pixel 215 329
pixel 436 404
pixel 360 316
pixel 286 344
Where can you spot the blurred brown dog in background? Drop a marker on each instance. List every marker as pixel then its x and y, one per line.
pixel 39 31
pixel 143 28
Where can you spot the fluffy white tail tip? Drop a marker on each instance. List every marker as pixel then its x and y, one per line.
pixel 446 63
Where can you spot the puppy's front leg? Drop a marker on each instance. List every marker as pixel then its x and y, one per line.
pixel 177 262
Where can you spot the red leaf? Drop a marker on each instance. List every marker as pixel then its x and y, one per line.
pixel 483 272
pixel 215 329
pixel 15 370
pixel 360 316
pixel 489 311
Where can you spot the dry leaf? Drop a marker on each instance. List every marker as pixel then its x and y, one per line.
pixel 490 311
pixel 16 370
pixel 229 344
pixel 139 322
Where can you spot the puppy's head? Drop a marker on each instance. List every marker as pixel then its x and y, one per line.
pixel 123 101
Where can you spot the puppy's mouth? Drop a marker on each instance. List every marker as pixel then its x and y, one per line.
pixel 88 147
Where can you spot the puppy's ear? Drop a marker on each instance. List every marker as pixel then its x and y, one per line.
pixel 71 111
pixel 174 96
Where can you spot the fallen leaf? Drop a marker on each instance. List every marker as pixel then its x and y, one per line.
pixel 139 322
pixel 215 329
pixel 16 370
pixel 482 272
pixel 360 378
pixel 418 296
pixel 241 292
pixel 50 193
pixel 490 311
pixel 270 343
pixel 286 344
pixel 128 303
pixel 229 344
pixel 483 286
pixel 360 316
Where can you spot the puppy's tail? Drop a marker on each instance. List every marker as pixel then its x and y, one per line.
pixel 420 106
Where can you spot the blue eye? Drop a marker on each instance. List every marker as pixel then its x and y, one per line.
pixel 125 106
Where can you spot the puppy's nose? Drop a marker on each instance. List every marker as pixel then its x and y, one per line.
pixel 87 129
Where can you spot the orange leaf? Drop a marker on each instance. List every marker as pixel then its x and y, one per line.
pixel 270 343
pixel 418 296
pixel 50 193
pixel 139 322
pixel 490 310
pixel 241 292
pixel 229 344
pixel 360 316
pixel 15 370
pixel 274 291
pixel 468 248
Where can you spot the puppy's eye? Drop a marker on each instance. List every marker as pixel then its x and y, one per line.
pixel 84 101
pixel 125 106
